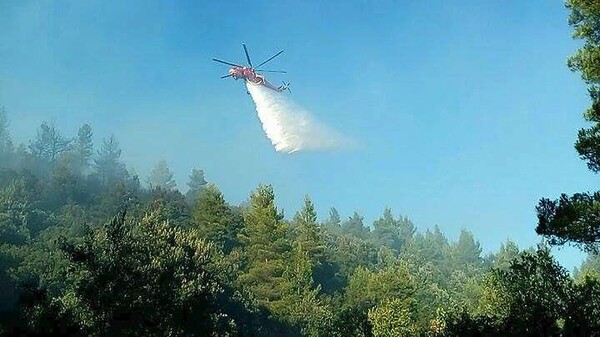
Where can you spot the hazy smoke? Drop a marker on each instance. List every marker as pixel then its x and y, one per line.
pixel 290 127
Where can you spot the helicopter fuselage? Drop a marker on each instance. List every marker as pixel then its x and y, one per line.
pixel 252 76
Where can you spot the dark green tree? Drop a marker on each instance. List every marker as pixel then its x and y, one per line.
pixel 266 248
pixel 308 234
pixel 214 220
pixel 584 18
pixel 583 318
pixel 145 279
pixel 576 219
pixel 169 205
pixel 533 297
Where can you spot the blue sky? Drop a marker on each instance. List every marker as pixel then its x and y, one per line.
pixel 465 112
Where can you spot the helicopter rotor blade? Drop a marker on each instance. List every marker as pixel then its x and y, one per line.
pixel 269 59
pixel 272 71
pixel 226 76
pixel 247 56
pixel 225 62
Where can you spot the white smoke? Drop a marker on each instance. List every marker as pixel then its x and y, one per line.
pixel 290 127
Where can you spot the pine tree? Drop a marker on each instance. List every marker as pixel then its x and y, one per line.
pixel 49 144
pixel 214 220
pixel 467 251
pixel 575 219
pixel 4 135
pixel 108 164
pixel 355 226
pixel 196 185
pixel 84 147
pixel 506 254
pixel 309 238
pixel 386 231
pixel 265 247
pixel 6 145
pixel 333 224
pixel 162 177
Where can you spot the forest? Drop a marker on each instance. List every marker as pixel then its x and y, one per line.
pixel 89 248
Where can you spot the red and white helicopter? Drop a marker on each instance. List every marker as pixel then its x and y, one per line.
pixel 250 73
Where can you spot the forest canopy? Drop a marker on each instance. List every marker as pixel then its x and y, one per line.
pixel 89 248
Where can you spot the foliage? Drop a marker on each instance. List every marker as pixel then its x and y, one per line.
pixel 393 318
pixel 575 219
pixel 196 185
pixel 214 219
pixel 49 143
pixel 266 247
pixel 162 177
pixel 195 265
pixel 108 163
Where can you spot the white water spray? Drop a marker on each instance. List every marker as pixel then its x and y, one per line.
pixel 290 127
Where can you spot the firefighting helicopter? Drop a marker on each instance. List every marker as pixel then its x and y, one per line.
pixel 250 74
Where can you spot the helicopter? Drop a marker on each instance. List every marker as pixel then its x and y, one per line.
pixel 250 73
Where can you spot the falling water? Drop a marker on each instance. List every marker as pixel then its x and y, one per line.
pixel 289 126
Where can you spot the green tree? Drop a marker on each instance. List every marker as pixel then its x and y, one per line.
pixel 108 164
pixel 300 304
pixel 310 241
pixel 367 290
pixel 49 144
pixel 583 310
pixel 370 288
pixel 169 205
pixel 432 246
pixel 146 279
pixel 575 219
pixel 393 318
pixel 333 224
pixel 531 298
pixel 65 184
pixel 14 208
pixel 385 231
pixel 6 146
pixel 309 238
pixel 584 18
pixel 83 148
pixel 502 259
pixel 467 251
pixel 348 252
pixel 214 220
pixel 196 185
pixel 265 246
pixel 355 226
pixel 591 265
pixel 161 176
pixel 391 232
